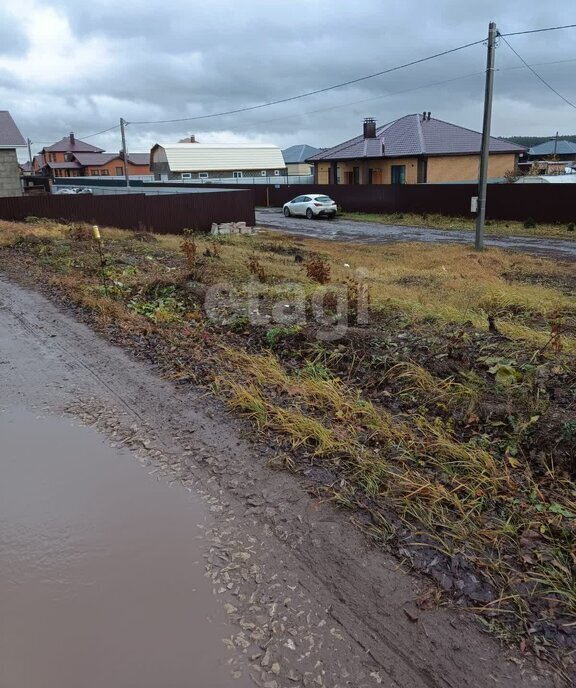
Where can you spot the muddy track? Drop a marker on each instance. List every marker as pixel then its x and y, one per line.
pixel 365 232
pixel 335 611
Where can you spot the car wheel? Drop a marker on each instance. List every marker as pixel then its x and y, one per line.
pixel 286 212
pixel 309 213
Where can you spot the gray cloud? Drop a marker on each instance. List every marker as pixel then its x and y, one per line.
pixel 12 37
pixel 157 60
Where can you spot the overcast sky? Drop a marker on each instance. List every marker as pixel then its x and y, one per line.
pixel 71 65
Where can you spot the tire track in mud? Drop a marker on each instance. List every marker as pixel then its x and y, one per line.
pixel 347 602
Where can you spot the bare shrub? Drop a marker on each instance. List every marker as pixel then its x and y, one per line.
pixel 318 269
pixel 255 268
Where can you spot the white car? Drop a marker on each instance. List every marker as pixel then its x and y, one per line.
pixel 310 206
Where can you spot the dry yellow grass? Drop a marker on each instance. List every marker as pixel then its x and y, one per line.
pixel 450 282
pixel 436 221
pixel 466 489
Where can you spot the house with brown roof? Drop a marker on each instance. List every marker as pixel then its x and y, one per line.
pixel 71 157
pixel 10 140
pixel 58 159
pixel 414 149
pixel 112 164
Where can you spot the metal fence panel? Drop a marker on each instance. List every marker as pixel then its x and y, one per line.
pixel 166 214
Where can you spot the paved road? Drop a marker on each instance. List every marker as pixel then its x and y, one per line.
pixel 377 233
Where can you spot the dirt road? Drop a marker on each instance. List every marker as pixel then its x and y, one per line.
pixel 375 232
pixel 307 601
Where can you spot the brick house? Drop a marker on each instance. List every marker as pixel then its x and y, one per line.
pixel 196 161
pixel 112 164
pixel 71 157
pixel 58 159
pixel 10 140
pixel 414 149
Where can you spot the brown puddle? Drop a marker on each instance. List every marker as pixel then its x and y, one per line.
pixel 101 574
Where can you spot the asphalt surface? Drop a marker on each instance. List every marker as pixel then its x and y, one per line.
pixel 377 233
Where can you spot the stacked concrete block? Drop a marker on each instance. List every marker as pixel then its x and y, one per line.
pixel 231 228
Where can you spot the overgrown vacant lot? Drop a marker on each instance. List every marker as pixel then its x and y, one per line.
pixel 443 416
pixel 528 227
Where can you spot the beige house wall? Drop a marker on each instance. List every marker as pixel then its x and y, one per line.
pixel 457 168
pixel 382 169
pixel 301 168
pixel 447 168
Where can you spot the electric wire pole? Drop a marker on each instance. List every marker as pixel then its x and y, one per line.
pixel 30 154
pixel 124 150
pixel 485 154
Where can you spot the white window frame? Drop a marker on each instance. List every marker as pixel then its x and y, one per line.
pixel 263 173
pixel 186 175
pixel 202 175
pixel 237 175
pixel 276 173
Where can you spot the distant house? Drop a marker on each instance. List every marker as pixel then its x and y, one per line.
pixel 195 161
pixel 414 149
pixel 554 157
pixel 58 159
pixel 10 140
pixel 71 157
pixel 25 168
pixel 560 150
pixel 112 164
pixel 295 158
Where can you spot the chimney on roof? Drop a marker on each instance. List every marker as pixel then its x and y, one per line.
pixel 424 116
pixel 72 139
pixel 428 116
pixel 369 128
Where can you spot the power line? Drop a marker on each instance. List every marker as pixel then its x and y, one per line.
pixel 408 90
pixel 538 75
pixel 313 93
pixel 104 131
pixel 551 28
pixel 88 136
pixel 367 100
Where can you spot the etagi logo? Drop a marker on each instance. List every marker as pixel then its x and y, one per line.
pixel 329 308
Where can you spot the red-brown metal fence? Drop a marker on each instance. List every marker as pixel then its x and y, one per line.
pixel 165 214
pixel 542 202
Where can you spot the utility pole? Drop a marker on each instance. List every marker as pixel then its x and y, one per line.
pixel 485 154
pixel 555 144
pixel 30 154
pixel 124 149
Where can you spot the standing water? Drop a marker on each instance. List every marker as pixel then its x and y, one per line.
pixel 101 575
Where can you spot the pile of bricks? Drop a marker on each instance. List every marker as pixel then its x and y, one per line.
pixel 231 228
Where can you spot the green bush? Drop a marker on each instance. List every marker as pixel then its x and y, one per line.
pixel 530 223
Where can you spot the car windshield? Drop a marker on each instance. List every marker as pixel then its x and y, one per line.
pixel 324 199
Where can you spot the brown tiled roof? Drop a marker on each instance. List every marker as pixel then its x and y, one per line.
pixel 414 135
pixel 78 146
pixel 63 165
pixel 139 158
pixel 10 136
pixel 94 159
